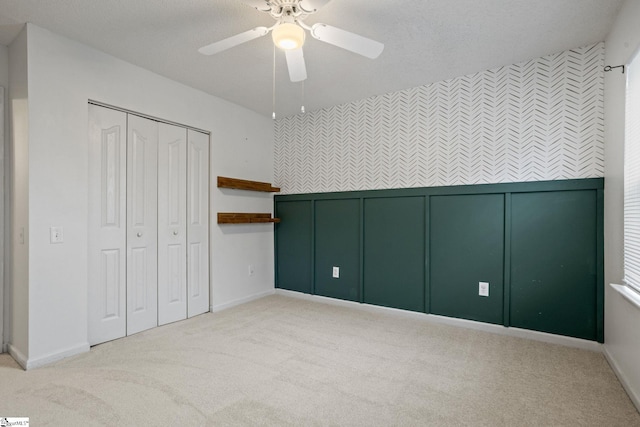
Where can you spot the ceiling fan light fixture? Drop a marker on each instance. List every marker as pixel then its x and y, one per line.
pixel 288 36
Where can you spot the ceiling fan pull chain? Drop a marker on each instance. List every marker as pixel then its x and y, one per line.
pixel 273 116
pixel 302 99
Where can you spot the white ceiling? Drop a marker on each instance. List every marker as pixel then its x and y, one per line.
pixel 425 41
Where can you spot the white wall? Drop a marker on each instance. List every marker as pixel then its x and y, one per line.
pixel 622 319
pixel 63 75
pixel 18 292
pixel 4 137
pixel 4 66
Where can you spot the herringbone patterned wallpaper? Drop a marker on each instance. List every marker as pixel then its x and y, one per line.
pixel 538 120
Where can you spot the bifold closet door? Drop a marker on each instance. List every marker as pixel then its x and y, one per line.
pixel 107 224
pixel 172 224
pixel 142 224
pixel 148 223
pixel 198 222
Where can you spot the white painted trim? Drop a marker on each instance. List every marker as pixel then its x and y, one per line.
pixel 17 356
pixel 47 359
pixel 58 355
pixel 3 216
pixel 146 116
pixel 462 323
pixel 220 307
pixel 631 392
pixel 629 294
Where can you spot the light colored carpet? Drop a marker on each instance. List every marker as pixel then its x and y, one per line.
pixel 284 361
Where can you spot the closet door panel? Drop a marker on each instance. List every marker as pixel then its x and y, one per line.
pixel 142 224
pixel 172 223
pixel 107 224
pixel 197 222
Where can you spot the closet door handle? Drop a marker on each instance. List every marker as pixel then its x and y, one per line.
pixel 175 232
pixel 139 234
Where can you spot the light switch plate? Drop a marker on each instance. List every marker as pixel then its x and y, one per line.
pixel 336 272
pixel 483 289
pixel 56 235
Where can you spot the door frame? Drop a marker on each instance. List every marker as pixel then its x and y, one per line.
pixel 4 220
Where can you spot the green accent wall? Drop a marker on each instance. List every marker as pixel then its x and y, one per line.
pixel 538 244
pixel 553 262
pixel 467 247
pixel 337 244
pixel 294 255
pixel 394 252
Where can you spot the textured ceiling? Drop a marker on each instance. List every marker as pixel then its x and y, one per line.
pixel 425 41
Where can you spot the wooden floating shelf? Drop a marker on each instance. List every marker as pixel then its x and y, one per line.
pixel 243 184
pixel 245 218
pixel 242 217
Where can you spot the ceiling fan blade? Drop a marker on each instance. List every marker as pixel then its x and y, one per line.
pixel 296 65
pixel 230 42
pixel 311 6
pixel 346 40
pixel 262 5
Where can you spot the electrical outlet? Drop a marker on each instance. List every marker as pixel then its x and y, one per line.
pixel 252 271
pixel 336 272
pixel 483 289
pixel 56 235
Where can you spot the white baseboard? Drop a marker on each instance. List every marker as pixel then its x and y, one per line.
pixel 633 394
pixel 46 359
pixel 463 323
pixel 17 356
pixel 220 307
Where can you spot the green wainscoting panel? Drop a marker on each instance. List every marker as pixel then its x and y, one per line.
pixel 294 245
pixel 554 262
pixel 394 252
pixel 337 244
pixel 467 247
pixel 539 245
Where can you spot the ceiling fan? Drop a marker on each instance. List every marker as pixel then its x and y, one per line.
pixel 289 33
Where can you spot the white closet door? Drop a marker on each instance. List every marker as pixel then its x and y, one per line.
pixel 107 224
pixel 198 222
pixel 142 224
pixel 172 224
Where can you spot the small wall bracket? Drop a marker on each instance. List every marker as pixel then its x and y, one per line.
pixel 610 68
